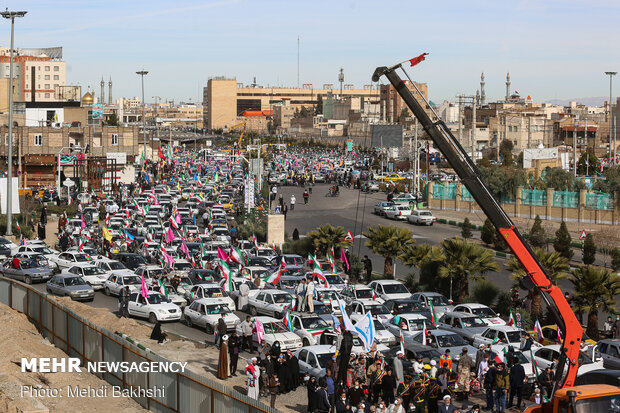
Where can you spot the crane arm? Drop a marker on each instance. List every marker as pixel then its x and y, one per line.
pixel 470 177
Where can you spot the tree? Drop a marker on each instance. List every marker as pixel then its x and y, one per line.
pixel 611 183
pixel 319 105
pixel 326 236
pixel 388 241
pixel 556 267
pixel 304 113
pixel 484 292
pixel 589 250
pixel 427 258
pixel 464 260
pixel 562 242
pixel 595 289
pixel 112 119
pixel 505 152
pixel 488 232
pixel 559 179
pixel 503 181
pixel 538 237
pixel 615 259
pixel 404 114
pixel 588 163
pixel 466 229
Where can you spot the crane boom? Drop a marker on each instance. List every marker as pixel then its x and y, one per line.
pixel 470 177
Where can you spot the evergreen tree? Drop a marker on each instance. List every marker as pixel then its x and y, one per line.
pixel 589 250
pixel 562 242
pixel 615 259
pixel 488 232
pixel 538 237
pixel 466 229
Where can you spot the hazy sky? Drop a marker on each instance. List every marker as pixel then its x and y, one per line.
pixel 553 49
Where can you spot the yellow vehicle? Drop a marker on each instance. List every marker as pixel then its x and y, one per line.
pixel 550 336
pixel 27 191
pixel 391 177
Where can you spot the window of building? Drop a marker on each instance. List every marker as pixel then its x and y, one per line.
pixel 47 77
pixel 55 86
pixel 38 140
pixel 515 129
pixel 47 68
pixel 509 128
pixel 115 139
pixel 6 139
pixel 56 77
pixel 47 95
pixel 56 68
pixel 47 86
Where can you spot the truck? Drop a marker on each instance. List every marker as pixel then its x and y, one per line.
pixel 566 397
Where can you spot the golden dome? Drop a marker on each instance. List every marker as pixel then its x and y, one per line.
pixel 87 99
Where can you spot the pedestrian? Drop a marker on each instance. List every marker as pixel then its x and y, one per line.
pixel 284 210
pixel 300 292
pixel 252 372
pixel 322 400
pixel 398 368
pixel 488 383
pixel 502 385
pixel 368 267
pixel 464 368
pixel 247 328
pixel 43 219
pixel 447 406
pixel 545 381
pixel 222 365
pixel 244 295
pixel 234 344
pixel 310 296
pixel 616 328
pixel 293 201
pixel 445 360
pixel 355 394
pixel 157 334
pixel 388 385
pixel 526 345
pixel 518 379
pixel 608 327
pixel 220 330
pixel 342 404
pixel 306 196
pixel 330 386
pixel 123 299
pixel 273 389
pixel 312 388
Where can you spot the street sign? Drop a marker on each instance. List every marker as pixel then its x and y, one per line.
pixel 583 235
pixel 349 236
pixel 277 210
pixel 68 183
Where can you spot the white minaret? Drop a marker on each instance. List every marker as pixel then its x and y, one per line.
pixel 507 86
pixel 110 91
pixel 483 95
pixel 102 99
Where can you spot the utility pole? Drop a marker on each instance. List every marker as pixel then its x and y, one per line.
pixel 529 132
pixel 575 146
pixel 473 127
pixel 142 73
pixel 612 153
pixel 157 99
pixel 297 62
pixel 9 175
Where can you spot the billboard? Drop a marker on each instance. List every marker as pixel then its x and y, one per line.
pixel 14 195
pixel 386 136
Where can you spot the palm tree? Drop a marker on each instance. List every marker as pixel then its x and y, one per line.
pixel 464 260
pixel 595 289
pixel 388 241
pixel 556 266
pixel 426 258
pixel 326 236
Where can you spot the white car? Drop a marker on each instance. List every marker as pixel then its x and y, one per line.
pixel 114 283
pixel 313 359
pixel 274 331
pixel 68 259
pixel 309 327
pixel 113 267
pixel 329 297
pixel 40 248
pixel 150 272
pixel 421 217
pixel 440 303
pixel 376 308
pixel 93 275
pixel 359 293
pixel 270 302
pixel 485 313
pixel 409 324
pixel 236 283
pixel 398 212
pixel 155 308
pixel 390 290
pixel 508 335
pixel 210 291
pixel 382 334
pixel 547 355
pixel 205 313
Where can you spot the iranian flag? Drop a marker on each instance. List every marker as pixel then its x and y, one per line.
pixel 237 256
pixel 255 241
pixel 311 259
pixel 433 315
pixel 225 270
pixel 318 273
pixel 424 333
pixel 274 278
pixel 17 225
pixel 402 342
pixel 282 263
pixel 173 222
pixel 538 330
pixel 495 341
pixel 162 288
pixel 511 319
pixel 330 258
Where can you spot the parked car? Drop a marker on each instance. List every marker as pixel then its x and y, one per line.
pixel 464 324
pixel 68 259
pixel 359 293
pixel 421 217
pixel 389 289
pixel 93 275
pixel 313 359
pixel 155 308
pixel 485 313
pixel 444 340
pixel 602 376
pixel 509 335
pixel 236 283
pixel 209 290
pixel 408 305
pixel 70 285
pixel 376 308
pixel 309 327
pixel 609 350
pixel 274 331
pixel 27 270
pixel 112 266
pixel 549 355
pixel 130 260
pixel 440 303
pixel 114 283
pixel 408 325
pixel 270 302
pixel 382 207
pixel 205 313
pixel 39 248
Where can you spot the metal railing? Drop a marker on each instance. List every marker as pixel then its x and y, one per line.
pixel 76 336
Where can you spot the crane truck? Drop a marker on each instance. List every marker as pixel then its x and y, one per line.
pixel 566 397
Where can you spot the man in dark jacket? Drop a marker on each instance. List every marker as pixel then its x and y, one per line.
pixel 517 381
pixel 123 300
pixel 234 347
pixel 355 393
pixel 342 404
pixel 489 384
pixel 322 402
pixel 367 267
pixel 220 331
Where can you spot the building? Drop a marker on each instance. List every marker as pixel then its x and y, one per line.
pixel 392 104
pixel 39 72
pixel 225 100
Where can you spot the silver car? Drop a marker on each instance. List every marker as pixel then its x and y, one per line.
pixel 70 285
pixel 464 324
pixel 27 269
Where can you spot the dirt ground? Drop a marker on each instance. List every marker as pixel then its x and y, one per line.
pixel 27 342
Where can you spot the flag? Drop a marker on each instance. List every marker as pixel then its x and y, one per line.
pixel 559 334
pixel 160 154
pixel 274 277
pixel 318 273
pixel 424 332
pixel 81 246
pixel 145 290
pixel 495 340
pixel 365 329
pixel 107 235
pixel 222 255
pixel 330 258
pixel 402 341
pixel 225 270
pixel 311 259
pixel 392 183
pixel 288 322
pixel 348 325
pixel 169 236
pixel 83 223
pixel 418 59
pixel 260 332
pixel 184 249
pixel 70 200
pixel 173 222
pixel 167 257
pixel 237 256
pixel 128 237
pixel 17 225
pixel 255 241
pixel 511 319
pixel 282 263
pixel 337 324
pixel 534 363
pixel 343 258
pixel 538 330
pixel 433 315
pixel 162 288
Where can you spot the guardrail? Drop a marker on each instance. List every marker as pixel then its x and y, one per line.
pixel 78 337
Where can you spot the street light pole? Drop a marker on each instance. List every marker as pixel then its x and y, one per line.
pixel 9 175
pixel 157 99
pixel 142 73
pixel 613 153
